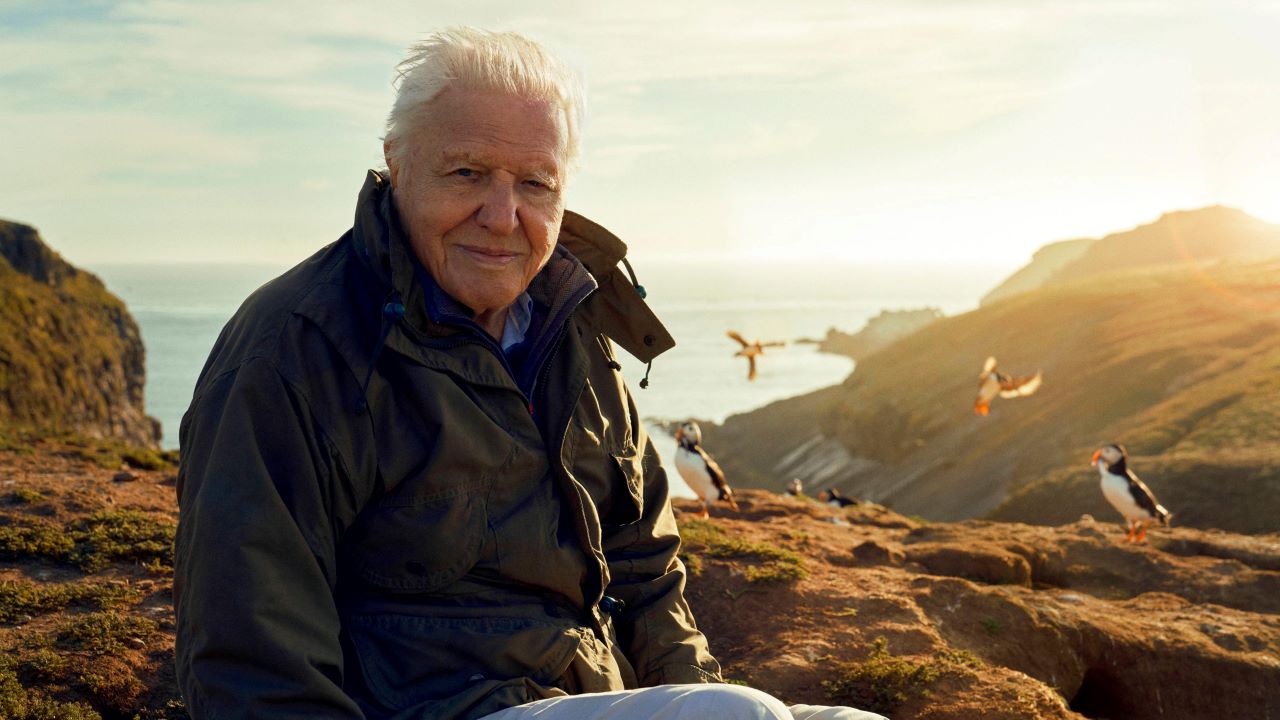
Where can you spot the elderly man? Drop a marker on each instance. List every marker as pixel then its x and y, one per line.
pixel 413 483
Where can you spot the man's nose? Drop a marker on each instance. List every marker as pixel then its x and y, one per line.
pixel 497 213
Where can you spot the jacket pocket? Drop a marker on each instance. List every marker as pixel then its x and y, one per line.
pixel 410 661
pixel 627 504
pixel 421 543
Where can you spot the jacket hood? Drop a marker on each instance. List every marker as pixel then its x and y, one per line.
pixel 616 309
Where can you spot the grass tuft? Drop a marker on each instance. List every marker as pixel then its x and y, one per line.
pixel 883 682
pixel 103 633
pixel 992 625
pixel 25 496
pixel 115 535
pixel 93 542
pixel 776 564
pixel 19 703
pixel 34 539
pixel 18 599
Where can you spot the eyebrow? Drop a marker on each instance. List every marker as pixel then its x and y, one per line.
pixel 543 173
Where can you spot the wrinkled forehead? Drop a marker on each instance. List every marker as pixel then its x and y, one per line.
pixel 494 127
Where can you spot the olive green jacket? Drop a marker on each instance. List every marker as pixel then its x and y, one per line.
pixel 377 521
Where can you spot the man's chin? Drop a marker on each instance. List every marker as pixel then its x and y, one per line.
pixel 487 302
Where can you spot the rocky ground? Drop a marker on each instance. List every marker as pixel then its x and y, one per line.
pixel 988 620
pixel 86 611
pixel 945 620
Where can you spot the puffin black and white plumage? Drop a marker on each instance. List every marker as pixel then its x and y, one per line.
pixel 992 383
pixel 834 498
pixel 795 488
pixel 751 350
pixel 699 471
pixel 1127 494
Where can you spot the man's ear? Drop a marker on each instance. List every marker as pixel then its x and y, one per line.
pixel 392 167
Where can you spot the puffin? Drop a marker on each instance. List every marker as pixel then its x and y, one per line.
pixel 1127 494
pixel 699 471
pixel 832 497
pixel 750 350
pixel 992 383
pixel 795 488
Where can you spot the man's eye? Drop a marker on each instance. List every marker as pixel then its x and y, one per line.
pixel 464 172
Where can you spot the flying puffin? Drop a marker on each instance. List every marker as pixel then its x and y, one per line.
pixel 702 474
pixel 750 350
pixel 832 497
pixel 1127 493
pixel 992 383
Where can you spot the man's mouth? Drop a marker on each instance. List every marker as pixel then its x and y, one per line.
pixel 488 256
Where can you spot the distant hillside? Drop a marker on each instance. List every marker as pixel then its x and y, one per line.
pixel 1047 261
pixel 883 329
pixel 1189 237
pixel 71 357
pixel 1181 366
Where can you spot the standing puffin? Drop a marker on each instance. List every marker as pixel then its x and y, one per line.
pixel 699 471
pixel 992 383
pixel 750 350
pixel 1127 493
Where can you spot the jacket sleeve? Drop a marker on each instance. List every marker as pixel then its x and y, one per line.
pixel 656 628
pixel 262 495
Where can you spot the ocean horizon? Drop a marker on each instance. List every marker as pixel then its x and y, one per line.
pixel 181 308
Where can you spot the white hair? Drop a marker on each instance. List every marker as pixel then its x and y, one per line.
pixel 484 60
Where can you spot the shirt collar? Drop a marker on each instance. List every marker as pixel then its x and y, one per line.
pixel 519 318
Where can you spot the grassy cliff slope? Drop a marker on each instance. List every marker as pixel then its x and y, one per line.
pixel 71 357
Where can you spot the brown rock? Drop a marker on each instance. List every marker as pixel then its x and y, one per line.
pixel 874 553
pixel 981 563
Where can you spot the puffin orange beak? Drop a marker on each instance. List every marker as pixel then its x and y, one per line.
pixel 679 434
pixel 1096 455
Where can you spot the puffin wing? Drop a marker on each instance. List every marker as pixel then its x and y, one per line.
pixel 741 340
pixel 717 478
pixel 988 366
pixel 713 469
pixel 1145 499
pixel 1020 386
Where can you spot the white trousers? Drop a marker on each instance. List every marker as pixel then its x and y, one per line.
pixel 676 702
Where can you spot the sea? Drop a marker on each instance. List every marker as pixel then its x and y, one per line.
pixel 180 310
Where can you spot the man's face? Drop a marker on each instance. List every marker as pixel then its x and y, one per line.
pixel 480 193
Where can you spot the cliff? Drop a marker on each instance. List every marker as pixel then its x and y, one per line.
pixel 71 357
pixel 921 621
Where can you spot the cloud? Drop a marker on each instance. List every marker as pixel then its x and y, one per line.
pixel 687 98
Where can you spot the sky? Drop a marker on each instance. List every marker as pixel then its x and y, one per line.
pixel 947 132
